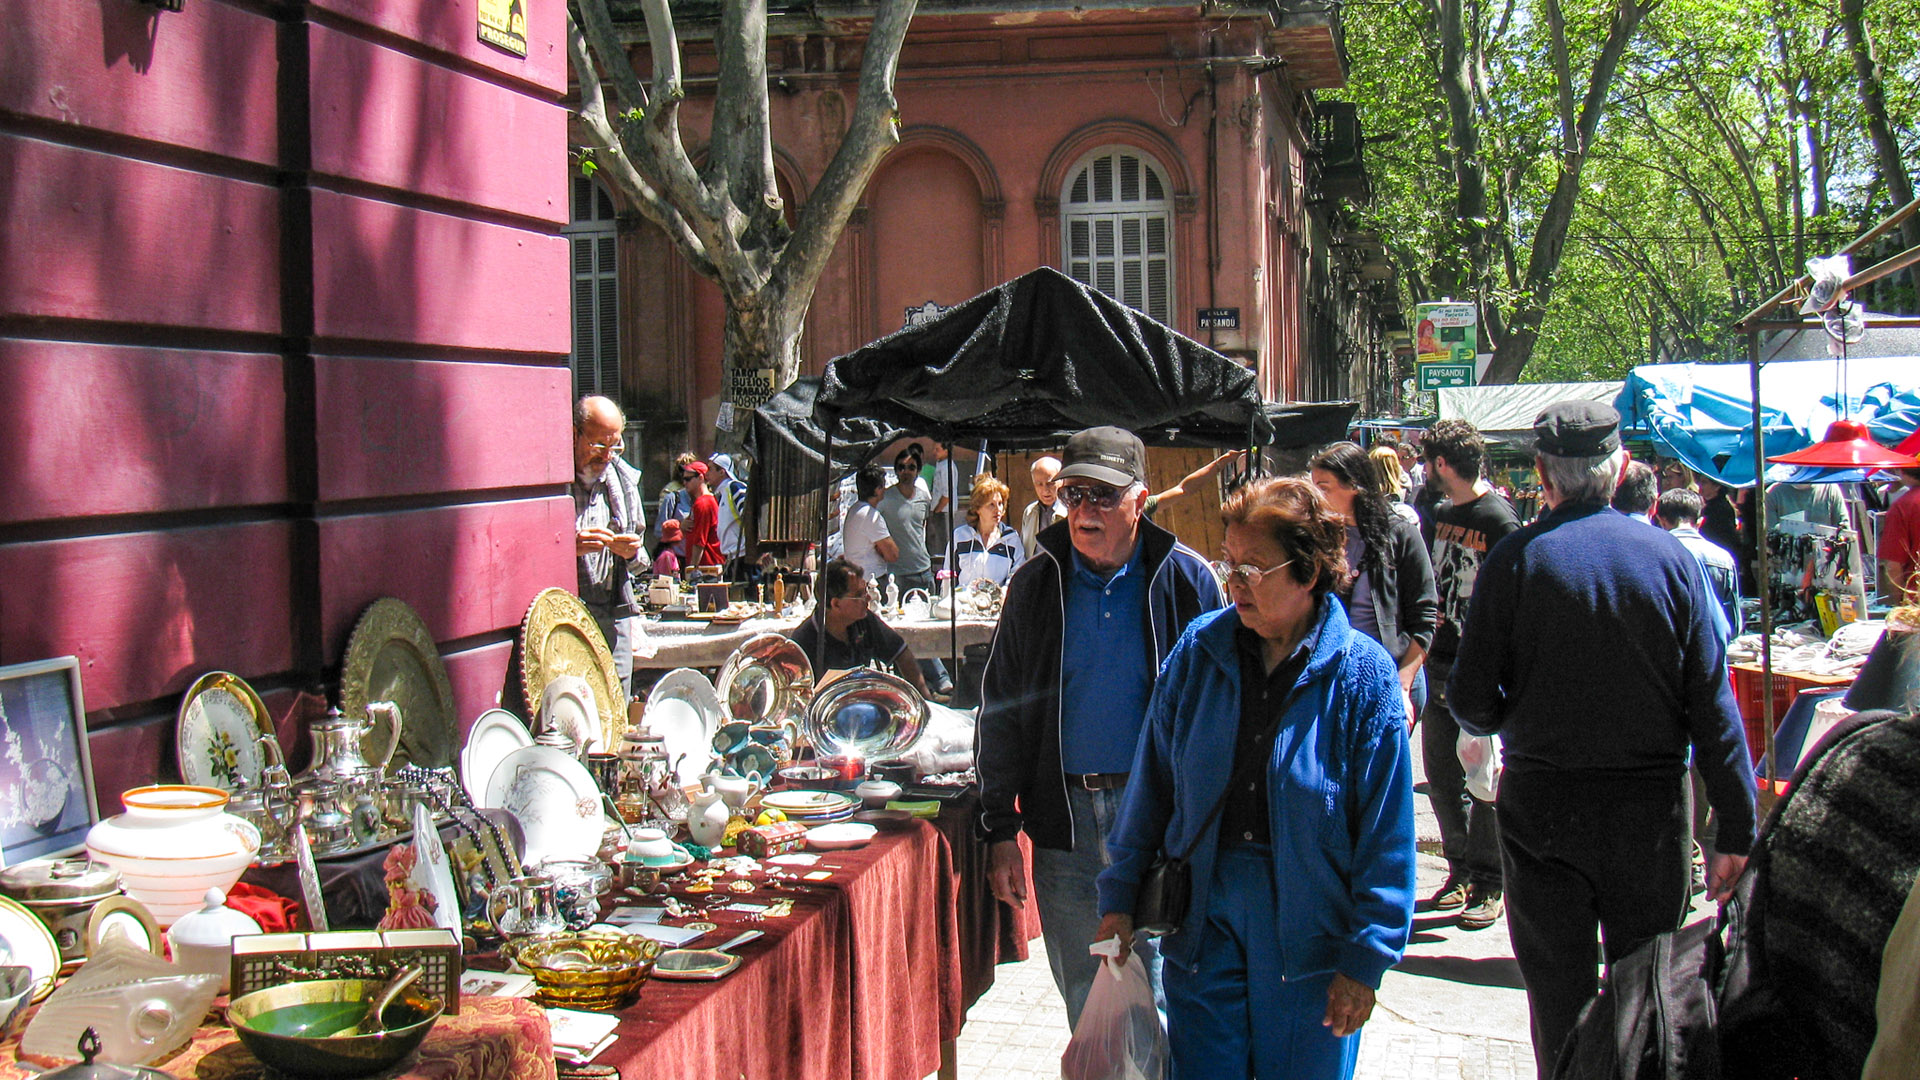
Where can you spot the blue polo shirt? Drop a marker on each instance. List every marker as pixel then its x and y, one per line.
pixel 1106 666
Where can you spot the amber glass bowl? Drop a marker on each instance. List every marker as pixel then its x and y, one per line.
pixel 599 972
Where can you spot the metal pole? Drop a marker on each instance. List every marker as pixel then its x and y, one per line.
pixel 1763 559
pixel 1886 225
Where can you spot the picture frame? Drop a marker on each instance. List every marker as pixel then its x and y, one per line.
pixel 46 773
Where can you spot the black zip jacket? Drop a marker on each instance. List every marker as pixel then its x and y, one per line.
pixel 1017 740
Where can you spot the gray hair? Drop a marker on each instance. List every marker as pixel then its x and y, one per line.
pixel 1582 479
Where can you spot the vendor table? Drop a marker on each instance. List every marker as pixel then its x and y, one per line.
pixel 678 643
pixel 491 1039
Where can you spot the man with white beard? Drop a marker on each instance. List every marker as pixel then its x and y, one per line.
pixel 608 521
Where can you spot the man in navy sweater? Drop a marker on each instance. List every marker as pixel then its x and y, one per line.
pixel 1591 648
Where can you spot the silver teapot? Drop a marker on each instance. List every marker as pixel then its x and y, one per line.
pixel 337 742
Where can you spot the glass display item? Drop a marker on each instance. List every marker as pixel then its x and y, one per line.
pixel 866 714
pixel 578 885
pixel 173 843
pixel 141 1007
pixel 599 972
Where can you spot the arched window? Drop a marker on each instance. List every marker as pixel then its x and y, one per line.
pixel 596 291
pixel 1117 221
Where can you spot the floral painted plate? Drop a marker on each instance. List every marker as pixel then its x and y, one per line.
pixel 218 733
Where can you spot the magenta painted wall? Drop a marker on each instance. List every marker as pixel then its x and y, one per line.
pixel 283 330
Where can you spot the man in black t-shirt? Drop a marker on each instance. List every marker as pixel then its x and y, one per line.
pixel 1466 524
pixel 855 636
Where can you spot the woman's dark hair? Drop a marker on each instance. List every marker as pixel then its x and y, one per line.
pixel 868 482
pixel 1292 511
pixel 1371 511
pixel 910 454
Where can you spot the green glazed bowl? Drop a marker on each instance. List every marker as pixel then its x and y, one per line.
pixel 269 1022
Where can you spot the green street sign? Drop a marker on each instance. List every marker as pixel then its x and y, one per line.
pixel 1445 376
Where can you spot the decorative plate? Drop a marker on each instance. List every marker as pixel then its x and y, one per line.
pixel 433 871
pixel 685 712
pixel 559 637
pixel 495 736
pixel 24 940
pixel 809 803
pixel 554 799
pixel 125 918
pixel 839 837
pixel 392 657
pixel 768 680
pixel 566 706
pixel 218 732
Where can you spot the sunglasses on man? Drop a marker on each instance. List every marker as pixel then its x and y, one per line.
pixel 1097 496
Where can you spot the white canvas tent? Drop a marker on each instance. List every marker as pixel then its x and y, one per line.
pixel 1508 412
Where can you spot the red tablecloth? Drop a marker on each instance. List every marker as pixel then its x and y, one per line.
pixel 867 978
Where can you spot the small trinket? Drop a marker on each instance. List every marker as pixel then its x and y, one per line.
pixel 742 886
pixel 820 875
pixel 780 909
pixel 701 887
pixel 702 927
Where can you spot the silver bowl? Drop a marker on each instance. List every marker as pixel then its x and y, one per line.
pixel 867 714
pixel 768 680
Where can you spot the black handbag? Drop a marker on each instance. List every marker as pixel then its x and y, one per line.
pixel 1166 889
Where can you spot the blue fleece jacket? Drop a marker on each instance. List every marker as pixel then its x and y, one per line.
pixel 1339 795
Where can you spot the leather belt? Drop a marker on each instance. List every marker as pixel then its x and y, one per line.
pixel 1099 781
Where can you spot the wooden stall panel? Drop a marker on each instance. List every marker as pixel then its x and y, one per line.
pixel 388 118
pixel 128 756
pixel 466 569
pixel 403 427
pixel 90 430
pixel 390 273
pixel 109 238
pixel 202 77
pixel 149 612
pixel 479 676
pixel 453 27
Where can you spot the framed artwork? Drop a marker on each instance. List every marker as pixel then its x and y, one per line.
pixel 46 777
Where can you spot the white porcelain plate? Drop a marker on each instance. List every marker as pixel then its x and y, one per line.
pixel 553 798
pixel 839 837
pixel 685 711
pixel 218 732
pixel 492 738
pixel 808 802
pixel 433 870
pixel 24 940
pixel 567 706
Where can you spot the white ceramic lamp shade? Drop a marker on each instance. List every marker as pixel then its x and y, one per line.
pixel 173 844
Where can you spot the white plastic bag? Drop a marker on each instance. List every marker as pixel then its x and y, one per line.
pixel 1119 1036
pixel 1480 757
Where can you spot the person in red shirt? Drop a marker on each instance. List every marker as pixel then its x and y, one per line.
pixel 703 526
pixel 1899 550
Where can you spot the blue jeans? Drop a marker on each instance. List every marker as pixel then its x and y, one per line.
pixel 1069 907
pixel 1215 1029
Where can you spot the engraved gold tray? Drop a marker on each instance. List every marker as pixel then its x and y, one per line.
pixel 392 657
pixel 559 637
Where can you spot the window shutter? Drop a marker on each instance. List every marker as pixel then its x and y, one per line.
pixel 596 290
pixel 1116 230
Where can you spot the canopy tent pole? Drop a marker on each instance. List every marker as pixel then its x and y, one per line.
pixel 820 554
pixel 953 596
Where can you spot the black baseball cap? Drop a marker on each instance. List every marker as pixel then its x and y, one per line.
pixel 1110 455
pixel 1577 429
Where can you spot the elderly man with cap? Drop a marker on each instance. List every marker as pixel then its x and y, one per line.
pixel 1591 648
pixel 1087 621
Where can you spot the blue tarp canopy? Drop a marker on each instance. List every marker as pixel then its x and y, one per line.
pixel 1703 413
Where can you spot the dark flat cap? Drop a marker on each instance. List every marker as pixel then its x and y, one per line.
pixel 1577 429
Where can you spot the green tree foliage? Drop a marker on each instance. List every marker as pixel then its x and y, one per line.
pixel 1733 145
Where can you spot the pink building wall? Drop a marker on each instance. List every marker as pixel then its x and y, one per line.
pixel 995 112
pixel 283 329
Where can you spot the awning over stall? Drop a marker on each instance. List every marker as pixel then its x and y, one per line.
pixel 1508 412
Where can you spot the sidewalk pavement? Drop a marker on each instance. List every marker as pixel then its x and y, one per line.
pixel 1453 1010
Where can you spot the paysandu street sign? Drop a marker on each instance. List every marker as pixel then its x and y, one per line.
pixel 1445 375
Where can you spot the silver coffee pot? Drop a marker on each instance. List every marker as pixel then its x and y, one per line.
pixel 338 748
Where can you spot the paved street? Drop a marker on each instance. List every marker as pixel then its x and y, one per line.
pixel 1453 1009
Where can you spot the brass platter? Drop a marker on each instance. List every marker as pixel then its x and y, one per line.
pixel 392 657
pixel 559 637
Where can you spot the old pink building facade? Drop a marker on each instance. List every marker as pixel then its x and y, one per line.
pixel 1167 155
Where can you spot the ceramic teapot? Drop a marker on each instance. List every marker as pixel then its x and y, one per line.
pixel 708 815
pixel 337 747
pixel 735 790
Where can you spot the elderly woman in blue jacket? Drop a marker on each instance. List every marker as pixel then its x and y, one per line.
pixel 1303 872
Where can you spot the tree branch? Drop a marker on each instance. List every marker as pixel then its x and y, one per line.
pixel 870 134
pixel 740 158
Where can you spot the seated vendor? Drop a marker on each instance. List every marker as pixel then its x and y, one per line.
pixel 855 636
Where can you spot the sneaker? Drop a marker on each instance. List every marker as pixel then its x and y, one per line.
pixel 1451 895
pixel 1483 910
